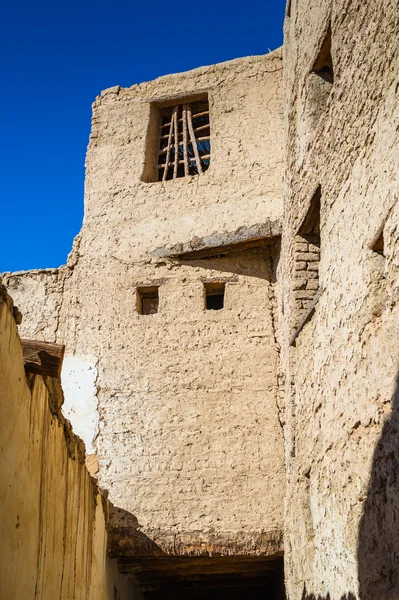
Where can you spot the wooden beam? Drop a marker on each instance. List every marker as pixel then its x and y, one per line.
pixel 175 165
pixel 201 127
pixel 213 251
pixel 185 140
pixel 181 162
pixel 200 114
pixel 42 358
pixel 195 116
pixel 168 152
pixel 200 139
pixel 188 566
pixel 193 140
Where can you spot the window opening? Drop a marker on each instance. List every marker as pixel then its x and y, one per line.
pixel 323 65
pixel 315 94
pixel 378 244
pixel 307 261
pixel 378 290
pixel 214 296
pixel 147 300
pixel 310 224
pixel 185 140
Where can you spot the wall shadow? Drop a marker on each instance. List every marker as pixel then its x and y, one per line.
pixel 378 534
pixel 253 262
pixel 306 596
pixel 154 574
pixel 378 541
pixel 125 538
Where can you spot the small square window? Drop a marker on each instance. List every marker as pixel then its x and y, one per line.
pixel 214 296
pixel 147 300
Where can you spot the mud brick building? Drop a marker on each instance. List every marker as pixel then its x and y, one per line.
pixel 229 313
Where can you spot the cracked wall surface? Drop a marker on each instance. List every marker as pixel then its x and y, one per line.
pixel 188 400
pixel 342 457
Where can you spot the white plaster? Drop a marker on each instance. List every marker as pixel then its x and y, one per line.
pixel 78 379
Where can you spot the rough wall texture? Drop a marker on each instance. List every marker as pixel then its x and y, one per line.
pixel 342 447
pixel 184 403
pixel 184 406
pixel 53 525
pixel 188 431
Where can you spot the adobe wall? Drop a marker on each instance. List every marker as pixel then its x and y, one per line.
pixel 183 408
pixel 342 449
pixel 53 525
pixel 242 187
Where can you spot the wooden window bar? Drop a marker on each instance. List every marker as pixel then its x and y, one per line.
pixel 201 114
pixel 180 145
pixel 195 131
pixel 182 162
pixel 199 139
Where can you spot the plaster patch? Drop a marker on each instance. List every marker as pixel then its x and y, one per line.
pixel 78 378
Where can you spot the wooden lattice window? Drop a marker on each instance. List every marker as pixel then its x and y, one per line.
pixel 185 140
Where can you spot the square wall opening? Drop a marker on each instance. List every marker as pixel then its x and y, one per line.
pixel 214 295
pixel 147 300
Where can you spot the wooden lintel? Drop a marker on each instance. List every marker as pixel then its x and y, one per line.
pixel 161 567
pixel 214 251
pixel 43 358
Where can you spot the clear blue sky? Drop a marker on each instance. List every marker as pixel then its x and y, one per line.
pixel 55 58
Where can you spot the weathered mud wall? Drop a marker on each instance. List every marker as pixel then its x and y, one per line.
pixel 189 408
pixel 184 404
pixel 342 502
pixel 53 524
